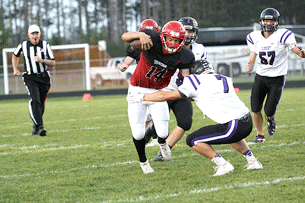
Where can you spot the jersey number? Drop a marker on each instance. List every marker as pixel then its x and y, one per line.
pixel 158 75
pixel 179 80
pixel 224 81
pixel 265 56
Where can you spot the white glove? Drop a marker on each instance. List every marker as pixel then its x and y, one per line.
pixel 135 98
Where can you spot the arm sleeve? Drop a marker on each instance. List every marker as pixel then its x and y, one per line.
pixel 187 58
pixel 49 52
pixel 133 54
pixel 250 43
pixel 188 88
pixel 290 40
pixel 18 50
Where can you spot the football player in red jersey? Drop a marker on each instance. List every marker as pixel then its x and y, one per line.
pixel 135 55
pixel 162 55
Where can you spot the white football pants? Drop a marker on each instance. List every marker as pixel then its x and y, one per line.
pixel 137 114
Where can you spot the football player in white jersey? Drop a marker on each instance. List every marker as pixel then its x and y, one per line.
pixel 183 109
pixel 271 45
pixel 215 96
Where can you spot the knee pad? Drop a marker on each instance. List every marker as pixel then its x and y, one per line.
pixel 161 128
pixel 162 131
pixel 185 124
pixel 138 131
pixel 189 141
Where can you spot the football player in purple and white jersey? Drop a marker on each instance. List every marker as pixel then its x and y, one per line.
pixel 271 46
pixel 216 98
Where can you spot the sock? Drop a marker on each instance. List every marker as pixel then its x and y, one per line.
pixel 218 160
pixel 161 140
pixel 249 156
pixel 140 146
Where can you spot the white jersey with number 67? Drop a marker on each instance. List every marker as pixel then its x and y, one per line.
pixel 272 53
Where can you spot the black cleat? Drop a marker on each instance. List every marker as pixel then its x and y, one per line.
pixel 159 157
pixel 148 132
pixel 42 131
pixel 271 126
pixel 35 130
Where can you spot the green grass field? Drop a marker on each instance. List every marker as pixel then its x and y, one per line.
pixel 88 156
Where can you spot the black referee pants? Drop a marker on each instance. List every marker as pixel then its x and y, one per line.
pixel 37 88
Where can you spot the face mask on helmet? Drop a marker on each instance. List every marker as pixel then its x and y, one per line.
pixel 190 24
pixel 269 14
pixel 202 67
pixel 175 30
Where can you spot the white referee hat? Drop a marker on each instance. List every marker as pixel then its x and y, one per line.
pixel 33 28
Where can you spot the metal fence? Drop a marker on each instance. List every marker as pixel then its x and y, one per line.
pixel 75 79
pixel 61 80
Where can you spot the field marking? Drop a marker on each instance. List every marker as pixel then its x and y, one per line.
pixel 125 125
pixel 53 147
pixel 135 161
pixel 15 125
pixel 25 149
pixel 208 190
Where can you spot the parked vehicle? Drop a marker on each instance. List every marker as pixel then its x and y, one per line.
pixel 116 62
pixel 101 75
pixel 111 72
pixel 228 51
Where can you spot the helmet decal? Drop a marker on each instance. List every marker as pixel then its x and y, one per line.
pixel 149 24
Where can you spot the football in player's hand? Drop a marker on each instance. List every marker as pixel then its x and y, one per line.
pixel 136 45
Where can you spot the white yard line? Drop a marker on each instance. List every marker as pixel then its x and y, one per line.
pixel 125 125
pixel 132 161
pixel 209 190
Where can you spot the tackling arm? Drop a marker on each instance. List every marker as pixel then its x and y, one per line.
pixel 162 96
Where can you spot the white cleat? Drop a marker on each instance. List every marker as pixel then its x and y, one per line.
pixel 166 152
pixel 153 143
pixel 146 167
pixel 255 165
pixel 222 170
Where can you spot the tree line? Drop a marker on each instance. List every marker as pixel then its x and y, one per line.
pixel 88 21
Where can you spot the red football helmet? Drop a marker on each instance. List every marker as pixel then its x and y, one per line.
pixel 176 30
pixel 149 24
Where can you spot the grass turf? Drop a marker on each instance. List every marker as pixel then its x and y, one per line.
pixel 88 156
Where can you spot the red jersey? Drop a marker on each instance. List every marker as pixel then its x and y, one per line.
pixel 155 69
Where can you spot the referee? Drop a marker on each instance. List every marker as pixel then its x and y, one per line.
pixel 37 57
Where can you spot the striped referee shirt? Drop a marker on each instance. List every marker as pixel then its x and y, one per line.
pixel 29 51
